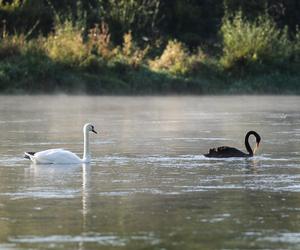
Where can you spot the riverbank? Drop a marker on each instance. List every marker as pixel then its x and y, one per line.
pixel 253 57
pixel 38 74
pixel 144 82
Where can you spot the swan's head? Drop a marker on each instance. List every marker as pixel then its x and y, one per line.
pixel 258 139
pixel 89 128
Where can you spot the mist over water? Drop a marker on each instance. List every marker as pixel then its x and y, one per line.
pixel 148 185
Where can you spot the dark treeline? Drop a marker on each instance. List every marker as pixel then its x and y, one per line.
pixel 190 21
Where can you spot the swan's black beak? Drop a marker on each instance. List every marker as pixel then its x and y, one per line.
pixel 93 130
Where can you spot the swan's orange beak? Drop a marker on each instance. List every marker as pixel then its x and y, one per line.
pixel 93 130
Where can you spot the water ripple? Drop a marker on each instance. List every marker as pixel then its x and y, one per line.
pixel 101 239
pixel 291 238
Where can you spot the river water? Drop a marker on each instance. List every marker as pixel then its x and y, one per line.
pixel 148 185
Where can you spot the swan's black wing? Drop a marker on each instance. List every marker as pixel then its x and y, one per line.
pixel 225 152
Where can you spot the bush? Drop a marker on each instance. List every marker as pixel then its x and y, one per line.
pixel 66 45
pixel 12 45
pixel 130 53
pixel 10 6
pixel 174 59
pixel 297 46
pixel 93 64
pixel 260 41
pixel 99 41
pixel 197 62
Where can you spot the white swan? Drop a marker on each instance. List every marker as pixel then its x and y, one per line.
pixel 61 156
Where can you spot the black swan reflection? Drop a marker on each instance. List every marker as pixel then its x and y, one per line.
pixel 224 151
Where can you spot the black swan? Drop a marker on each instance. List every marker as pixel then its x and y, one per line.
pixel 224 152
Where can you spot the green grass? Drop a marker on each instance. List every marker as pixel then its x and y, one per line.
pixel 35 74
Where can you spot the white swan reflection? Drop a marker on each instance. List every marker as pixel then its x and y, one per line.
pixel 52 181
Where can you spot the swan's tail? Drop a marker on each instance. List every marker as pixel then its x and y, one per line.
pixel 28 155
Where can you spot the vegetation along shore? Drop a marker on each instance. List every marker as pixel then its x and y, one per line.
pixel 150 47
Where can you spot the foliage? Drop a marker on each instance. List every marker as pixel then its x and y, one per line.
pixel 197 61
pixel 130 53
pixel 99 41
pixel 174 59
pixel 12 45
pixel 190 21
pixel 10 6
pixel 137 15
pixel 297 46
pixel 82 53
pixel 66 44
pixel 249 42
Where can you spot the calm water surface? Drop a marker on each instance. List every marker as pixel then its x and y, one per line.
pixel 148 186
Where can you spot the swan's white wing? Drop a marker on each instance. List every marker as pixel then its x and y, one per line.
pixel 55 156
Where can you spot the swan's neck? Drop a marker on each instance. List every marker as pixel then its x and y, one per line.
pixel 248 147
pixel 86 147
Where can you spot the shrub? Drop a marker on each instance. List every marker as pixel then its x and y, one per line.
pixel 297 46
pixel 66 45
pixel 131 53
pixel 93 64
pixel 10 6
pixel 99 41
pixel 138 15
pixel 12 45
pixel 196 61
pixel 174 59
pixel 246 42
